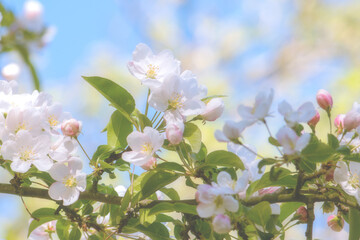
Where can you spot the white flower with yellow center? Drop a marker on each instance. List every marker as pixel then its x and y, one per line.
pixel 143 146
pixel 348 177
pixel 29 119
pixel 26 150
pixel 70 181
pixel 302 115
pixel 150 68
pixel 290 141
pixel 53 117
pixel 179 93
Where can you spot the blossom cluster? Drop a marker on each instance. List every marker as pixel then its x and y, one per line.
pixel 30 132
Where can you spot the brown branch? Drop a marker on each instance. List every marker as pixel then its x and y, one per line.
pixel 310 221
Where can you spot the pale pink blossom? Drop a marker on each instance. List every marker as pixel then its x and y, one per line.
pixel 336 223
pixel 213 110
pixel 290 141
pixel 324 99
pixel 339 122
pixel 71 127
pixel 314 121
pixel 174 132
pixel 150 164
pixel 44 231
pixel 222 224
pixel 302 115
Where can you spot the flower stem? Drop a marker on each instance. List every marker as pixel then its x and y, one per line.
pixel 82 148
pixel 330 123
pixel 147 103
pixel 268 129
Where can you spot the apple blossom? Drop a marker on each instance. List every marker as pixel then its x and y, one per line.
pixel 231 131
pixel 152 69
pixel 10 71
pixel 291 142
pixel 261 108
pixel 143 146
pixel 348 178
pixel 174 132
pixel 339 122
pixel 352 118
pixel 302 115
pixel 26 150
pixel 151 163
pixel 70 181
pixel 336 223
pixel 44 231
pixel 221 224
pixel 213 110
pixel 302 214
pixel 229 186
pixel 28 119
pixel 324 99
pixel 70 128
pixel 180 93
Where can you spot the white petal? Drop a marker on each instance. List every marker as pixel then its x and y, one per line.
pixel 284 108
pixel 306 112
pixel 242 182
pixel 224 179
pixel 43 164
pixel 205 210
pixel 302 142
pixel 341 173
pixel 136 140
pixel 136 158
pixel 70 196
pixel 231 204
pixel 59 171
pixel 20 166
pixel 141 51
pixel 57 190
pixel 81 182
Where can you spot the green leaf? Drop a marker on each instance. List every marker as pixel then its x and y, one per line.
pixel 193 135
pixel 260 214
pixel 333 141
pixel 307 166
pixel 172 166
pixel 266 161
pixel 354 219
pixel 62 229
pixel 118 129
pixel 173 207
pixel 317 151
pixel 344 150
pixel 102 152
pixel 224 158
pixel 155 180
pixel 274 142
pixel 44 176
pixel 87 209
pixel 154 231
pixel 44 215
pixel 118 96
pixel 286 209
pixel 171 193
pixel 355 157
pixel 75 234
pixel 142 120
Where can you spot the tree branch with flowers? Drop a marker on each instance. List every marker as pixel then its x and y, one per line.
pixel 238 194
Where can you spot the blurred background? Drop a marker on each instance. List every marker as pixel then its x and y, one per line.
pixel 235 47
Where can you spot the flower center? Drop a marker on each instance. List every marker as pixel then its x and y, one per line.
pixel 21 126
pixel 70 182
pixel 26 154
pixel 146 148
pixel 152 71
pixel 53 121
pixel 354 181
pixel 219 201
pixel 175 102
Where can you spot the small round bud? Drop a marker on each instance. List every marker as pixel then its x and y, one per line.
pixel 149 165
pixel 302 214
pixel 10 71
pixel 213 110
pixel 336 223
pixel 221 224
pixel 314 121
pixel 324 99
pixel 71 127
pixel 174 133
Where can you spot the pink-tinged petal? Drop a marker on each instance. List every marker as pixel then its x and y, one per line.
pixel 136 140
pixel 206 193
pixel 306 112
pixel 59 171
pixel 71 196
pixel 231 204
pixel 205 210
pixel 284 108
pixel 57 190
pixel 43 164
pixel 341 173
pixel 156 138
pixel 81 182
pixel 136 158
pixel 20 166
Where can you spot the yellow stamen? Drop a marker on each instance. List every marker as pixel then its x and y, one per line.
pixel 175 102
pixel 53 121
pixel 219 201
pixel 26 155
pixel 70 182
pixel 152 71
pixel 354 181
pixel 21 126
pixel 146 148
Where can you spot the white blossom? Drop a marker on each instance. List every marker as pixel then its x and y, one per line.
pixel 302 115
pixel 348 178
pixel 291 142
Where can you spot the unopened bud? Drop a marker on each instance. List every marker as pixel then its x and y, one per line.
pixel 149 165
pixel 71 127
pixel 213 110
pixel 314 121
pixel 336 223
pixel 339 122
pixel 351 120
pixel 324 99
pixel 10 71
pixel 174 133
pixel 221 224
pixel 302 214
pixel 328 207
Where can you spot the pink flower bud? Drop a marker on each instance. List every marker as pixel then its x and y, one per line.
pixel 324 99
pixel 314 121
pixel 33 10
pixel 10 71
pixel 268 190
pixel 351 120
pixel 301 212
pixel 339 122
pixel 71 127
pixel 149 165
pixel 221 224
pixel 335 223
pixel 174 133
pixel 213 110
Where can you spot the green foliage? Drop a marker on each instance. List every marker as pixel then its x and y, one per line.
pixel 118 128
pixel 43 215
pixel 192 135
pixel 317 151
pixel 260 214
pixel 224 158
pixel 354 219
